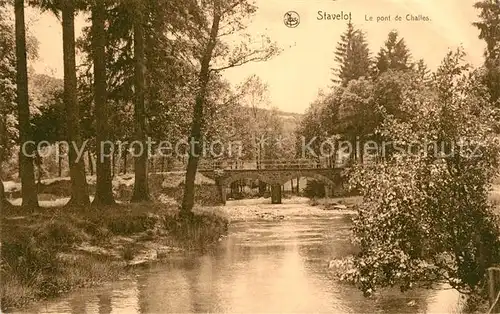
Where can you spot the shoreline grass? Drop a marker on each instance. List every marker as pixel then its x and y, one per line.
pixel 56 250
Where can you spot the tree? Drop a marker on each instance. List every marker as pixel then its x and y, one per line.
pixel 394 55
pixel 311 128
pixel 256 97
pixel 8 129
pixel 489 27
pixel 169 70
pixel 9 132
pixel 225 19
pixel 104 186
pixel 26 167
pixel 357 113
pixel 141 190
pixel 3 131
pixel 79 188
pixel 4 203
pixel 425 217
pixel 49 119
pixel 424 74
pixel 390 90
pixel 352 55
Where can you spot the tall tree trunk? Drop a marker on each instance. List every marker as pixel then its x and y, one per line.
pixel 196 134
pixel 3 199
pixel 141 190
pixel 3 139
pixel 90 162
pixel 4 202
pixel 113 164
pixel 361 150
pixel 79 188
pixel 152 165
pixel 59 163
pixel 39 164
pixel 125 162
pixel 26 167
pixel 104 183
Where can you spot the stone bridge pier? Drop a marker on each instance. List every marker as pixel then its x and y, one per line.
pixel 275 178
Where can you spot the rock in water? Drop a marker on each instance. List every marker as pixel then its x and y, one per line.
pixel 336 207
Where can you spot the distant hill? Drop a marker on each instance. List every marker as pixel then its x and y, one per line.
pixel 290 120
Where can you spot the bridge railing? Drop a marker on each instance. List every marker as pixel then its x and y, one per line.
pixel 264 164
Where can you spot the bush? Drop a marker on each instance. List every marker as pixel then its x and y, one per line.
pixel 314 189
pixel 197 231
pixel 425 217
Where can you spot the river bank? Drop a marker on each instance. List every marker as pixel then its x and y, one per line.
pixel 57 250
pixel 262 266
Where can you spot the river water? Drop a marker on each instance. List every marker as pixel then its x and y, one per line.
pixel 261 267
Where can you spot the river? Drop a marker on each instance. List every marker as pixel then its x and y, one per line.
pixel 273 265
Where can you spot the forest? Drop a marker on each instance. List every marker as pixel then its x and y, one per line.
pixel 142 78
pixel 153 70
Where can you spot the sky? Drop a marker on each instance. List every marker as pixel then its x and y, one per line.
pixel 304 67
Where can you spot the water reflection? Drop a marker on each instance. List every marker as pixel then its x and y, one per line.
pixel 261 267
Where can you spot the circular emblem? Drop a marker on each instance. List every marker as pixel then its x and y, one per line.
pixel 291 19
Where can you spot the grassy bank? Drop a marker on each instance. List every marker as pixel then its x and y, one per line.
pixel 166 184
pixel 56 250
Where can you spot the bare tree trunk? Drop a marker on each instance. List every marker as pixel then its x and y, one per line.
pixel 59 165
pixel 196 134
pixel 152 165
pixel 79 188
pixel 3 138
pixel 26 167
pixel 90 162
pixel 361 150
pixel 113 163
pixel 3 199
pixel 104 183
pixel 39 164
pixel 141 190
pixel 125 162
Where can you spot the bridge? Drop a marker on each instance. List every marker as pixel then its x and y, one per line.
pixel 275 174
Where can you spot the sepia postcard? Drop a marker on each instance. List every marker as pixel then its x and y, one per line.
pixel 250 156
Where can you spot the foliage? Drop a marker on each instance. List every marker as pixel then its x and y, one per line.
pixel 425 217
pixel 357 112
pixel 314 189
pixel 489 27
pixel 354 110
pixel 8 89
pixel 352 55
pixel 394 55
pixel 49 122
